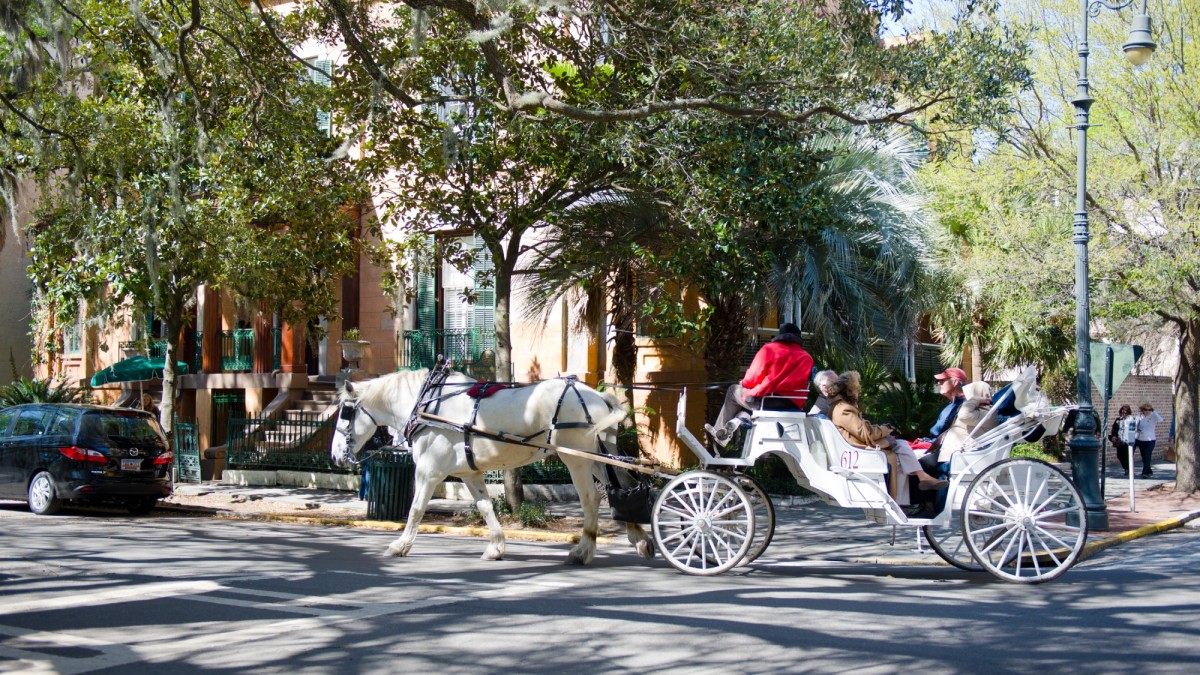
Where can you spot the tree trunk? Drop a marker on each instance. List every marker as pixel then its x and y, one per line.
pixel 976 358
pixel 172 325
pixel 514 490
pixel 1187 401
pixel 727 342
pixel 625 342
pixel 625 353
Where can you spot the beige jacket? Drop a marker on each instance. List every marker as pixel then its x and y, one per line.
pixel 854 428
pixel 973 410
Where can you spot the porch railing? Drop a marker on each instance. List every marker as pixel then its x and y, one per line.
pixel 298 442
pixel 237 349
pixel 473 349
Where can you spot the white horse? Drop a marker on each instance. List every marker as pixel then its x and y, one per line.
pixel 438 452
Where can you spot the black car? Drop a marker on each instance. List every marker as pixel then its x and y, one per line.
pixel 51 453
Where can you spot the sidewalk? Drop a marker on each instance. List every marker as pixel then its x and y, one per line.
pixel 805 530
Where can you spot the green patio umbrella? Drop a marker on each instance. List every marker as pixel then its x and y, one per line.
pixel 134 369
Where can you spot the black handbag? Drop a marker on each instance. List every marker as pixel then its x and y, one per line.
pixel 630 496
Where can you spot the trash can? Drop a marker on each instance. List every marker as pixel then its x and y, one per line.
pixel 390 491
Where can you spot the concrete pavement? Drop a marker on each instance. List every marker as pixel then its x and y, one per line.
pixel 808 529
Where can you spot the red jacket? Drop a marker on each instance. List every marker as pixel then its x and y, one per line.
pixel 781 368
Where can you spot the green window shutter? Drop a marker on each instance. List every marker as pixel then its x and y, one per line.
pixel 484 318
pixel 321 74
pixel 426 301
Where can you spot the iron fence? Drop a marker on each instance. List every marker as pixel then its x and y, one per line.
pixel 187 452
pixel 298 442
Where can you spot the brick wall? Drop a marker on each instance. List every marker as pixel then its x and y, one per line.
pixel 1134 391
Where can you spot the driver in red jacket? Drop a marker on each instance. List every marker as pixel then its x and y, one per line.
pixel 781 368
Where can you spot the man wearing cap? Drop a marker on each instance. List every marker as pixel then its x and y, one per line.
pixel 781 368
pixel 950 384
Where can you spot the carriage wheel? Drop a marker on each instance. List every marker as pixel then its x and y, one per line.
pixel 948 542
pixel 1024 521
pixel 764 518
pixel 703 523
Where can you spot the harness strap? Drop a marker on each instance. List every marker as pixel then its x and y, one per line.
pixel 435 380
pixel 554 423
pixel 467 436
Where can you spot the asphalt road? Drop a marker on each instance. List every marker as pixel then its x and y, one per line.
pixel 96 593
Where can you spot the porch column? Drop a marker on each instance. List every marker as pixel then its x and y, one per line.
pixel 264 343
pixel 292 358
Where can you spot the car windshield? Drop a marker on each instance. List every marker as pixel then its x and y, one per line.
pixel 121 428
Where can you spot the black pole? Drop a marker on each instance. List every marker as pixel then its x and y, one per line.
pixel 1084 444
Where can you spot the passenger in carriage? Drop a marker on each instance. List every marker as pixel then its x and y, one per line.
pixel 780 369
pixel 950 384
pixel 973 411
pixel 823 381
pixel 844 397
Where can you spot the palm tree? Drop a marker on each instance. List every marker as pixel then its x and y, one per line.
pixel 600 250
pixel 862 271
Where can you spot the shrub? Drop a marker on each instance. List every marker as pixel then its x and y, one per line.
pixel 534 514
pixel 42 391
pixel 1033 451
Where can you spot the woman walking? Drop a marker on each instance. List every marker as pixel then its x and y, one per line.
pixel 1146 421
pixel 1119 435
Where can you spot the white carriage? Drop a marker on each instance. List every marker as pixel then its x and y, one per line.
pixel 1020 519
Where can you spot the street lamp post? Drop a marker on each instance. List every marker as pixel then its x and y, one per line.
pixel 1085 443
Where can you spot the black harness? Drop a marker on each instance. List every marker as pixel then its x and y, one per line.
pixel 432 393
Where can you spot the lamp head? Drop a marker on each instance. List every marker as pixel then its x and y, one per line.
pixel 1140 45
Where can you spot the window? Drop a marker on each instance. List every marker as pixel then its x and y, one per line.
pixel 63 423
pixel 5 420
pixel 449 324
pixel 31 422
pixel 73 339
pixel 321 73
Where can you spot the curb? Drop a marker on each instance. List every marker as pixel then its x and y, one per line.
pixel 483 532
pixel 1094 547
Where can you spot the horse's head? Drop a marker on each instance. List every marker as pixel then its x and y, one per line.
pixel 354 427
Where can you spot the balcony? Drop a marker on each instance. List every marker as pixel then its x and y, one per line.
pixel 473 350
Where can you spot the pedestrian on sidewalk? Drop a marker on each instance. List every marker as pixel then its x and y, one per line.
pixel 1119 435
pixel 1146 436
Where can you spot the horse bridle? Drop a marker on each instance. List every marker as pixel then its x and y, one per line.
pixel 347 413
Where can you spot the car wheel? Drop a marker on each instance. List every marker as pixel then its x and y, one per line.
pixel 42 499
pixel 141 505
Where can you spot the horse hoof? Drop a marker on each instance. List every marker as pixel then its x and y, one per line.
pixel 573 559
pixel 646 549
pixel 492 554
pixel 396 551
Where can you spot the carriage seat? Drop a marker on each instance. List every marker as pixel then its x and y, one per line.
pixel 833 452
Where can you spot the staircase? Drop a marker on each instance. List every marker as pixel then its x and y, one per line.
pixel 303 419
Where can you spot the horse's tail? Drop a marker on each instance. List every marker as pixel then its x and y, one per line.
pixel 616 414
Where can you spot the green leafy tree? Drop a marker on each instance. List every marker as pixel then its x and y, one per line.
pixel 772 216
pixel 1142 206
pixel 175 143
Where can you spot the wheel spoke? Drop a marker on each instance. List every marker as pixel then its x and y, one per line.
pixel 1018 529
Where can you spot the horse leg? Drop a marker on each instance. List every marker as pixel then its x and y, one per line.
pixel 640 540
pixel 421 494
pixel 589 499
pixel 483 504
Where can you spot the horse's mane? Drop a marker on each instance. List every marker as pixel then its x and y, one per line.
pixel 383 391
